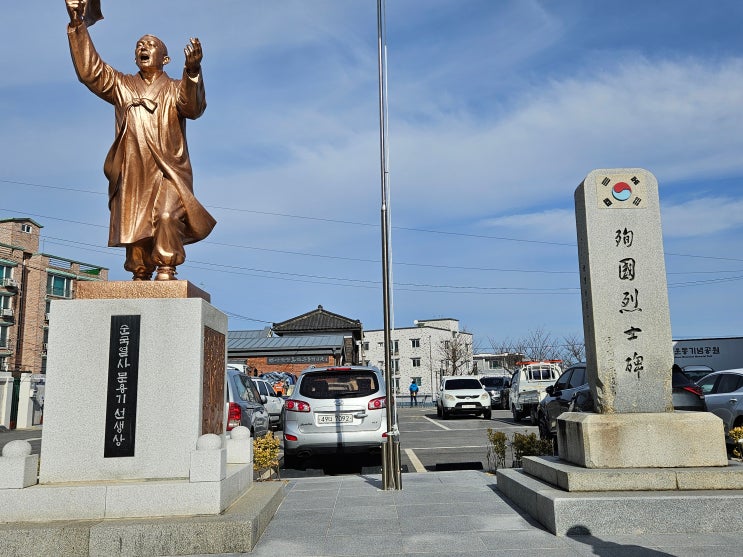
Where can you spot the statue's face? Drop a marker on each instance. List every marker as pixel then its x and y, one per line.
pixel 150 53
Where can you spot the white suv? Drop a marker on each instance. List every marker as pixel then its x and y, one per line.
pixel 273 402
pixel 462 395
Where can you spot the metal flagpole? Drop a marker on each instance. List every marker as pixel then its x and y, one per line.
pixel 391 474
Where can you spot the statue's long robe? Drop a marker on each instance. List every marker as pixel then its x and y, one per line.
pixel 150 146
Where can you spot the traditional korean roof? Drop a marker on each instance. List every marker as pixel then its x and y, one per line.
pixel 317 321
pixel 239 342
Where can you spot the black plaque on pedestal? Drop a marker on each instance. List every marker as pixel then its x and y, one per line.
pixel 121 403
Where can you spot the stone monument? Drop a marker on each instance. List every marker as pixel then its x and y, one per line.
pixel 635 465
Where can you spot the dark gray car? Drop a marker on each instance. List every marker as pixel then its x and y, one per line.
pixel 571 393
pixel 244 405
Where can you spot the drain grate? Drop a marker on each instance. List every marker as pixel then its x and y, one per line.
pixel 447 466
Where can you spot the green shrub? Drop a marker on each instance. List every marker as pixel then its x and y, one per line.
pixel 497 443
pixel 530 445
pixel 736 434
pixel 266 454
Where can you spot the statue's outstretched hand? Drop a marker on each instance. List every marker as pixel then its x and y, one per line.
pixel 194 55
pixel 76 11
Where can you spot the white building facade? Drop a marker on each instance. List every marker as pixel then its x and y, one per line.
pixel 418 353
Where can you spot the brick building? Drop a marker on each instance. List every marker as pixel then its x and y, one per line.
pixel 29 280
pixel 318 337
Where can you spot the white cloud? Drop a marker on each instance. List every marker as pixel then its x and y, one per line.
pixel 702 217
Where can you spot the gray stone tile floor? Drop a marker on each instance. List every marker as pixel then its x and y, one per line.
pixel 443 514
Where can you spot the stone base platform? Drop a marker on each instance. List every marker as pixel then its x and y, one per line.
pixel 124 499
pixel 236 530
pixel 570 477
pixel 642 440
pixel 622 512
pixel 133 289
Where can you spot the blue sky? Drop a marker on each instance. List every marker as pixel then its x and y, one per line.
pixel 497 111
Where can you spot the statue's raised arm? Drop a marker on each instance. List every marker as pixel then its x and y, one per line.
pixel 76 11
pixel 194 55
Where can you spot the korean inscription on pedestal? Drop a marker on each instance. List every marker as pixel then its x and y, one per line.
pixel 123 369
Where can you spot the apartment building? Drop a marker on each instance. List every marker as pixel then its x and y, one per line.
pixel 29 281
pixel 422 353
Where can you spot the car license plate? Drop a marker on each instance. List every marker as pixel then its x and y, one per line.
pixel 469 406
pixel 334 419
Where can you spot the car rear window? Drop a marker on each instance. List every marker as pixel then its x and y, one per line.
pixel 339 384
pixel 455 384
pixel 541 374
pixel 245 388
pixel 493 381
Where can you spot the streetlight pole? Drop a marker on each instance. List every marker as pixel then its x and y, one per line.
pixel 391 474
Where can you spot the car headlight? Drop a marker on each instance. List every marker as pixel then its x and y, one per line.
pixel 484 396
pixel 449 397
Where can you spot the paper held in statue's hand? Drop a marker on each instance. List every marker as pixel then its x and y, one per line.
pixel 92 12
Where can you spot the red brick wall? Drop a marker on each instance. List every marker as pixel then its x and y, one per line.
pixel 264 367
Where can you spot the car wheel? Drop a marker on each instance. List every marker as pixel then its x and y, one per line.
pixel 438 411
pixel 487 414
pixel 445 413
pixel 504 404
pixel 544 428
pixel 291 461
pixel 533 419
pixel 516 414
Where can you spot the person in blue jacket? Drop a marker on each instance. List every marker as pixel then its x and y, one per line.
pixel 413 393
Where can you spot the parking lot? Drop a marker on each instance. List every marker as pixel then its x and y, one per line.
pixel 427 444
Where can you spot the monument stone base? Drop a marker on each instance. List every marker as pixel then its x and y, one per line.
pixel 629 474
pixel 599 513
pixel 134 421
pixel 236 530
pixel 642 440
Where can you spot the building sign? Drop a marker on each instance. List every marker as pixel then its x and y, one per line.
pixel 297 360
pixel 121 403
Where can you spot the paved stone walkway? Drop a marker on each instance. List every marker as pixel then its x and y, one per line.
pixel 442 514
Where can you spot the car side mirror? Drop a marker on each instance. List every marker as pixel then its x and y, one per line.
pixel 264 399
pixel 550 390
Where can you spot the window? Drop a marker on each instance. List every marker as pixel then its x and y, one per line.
pixel 578 378
pixel 415 342
pixel 5 271
pixel 729 382
pixel 395 348
pixel 416 380
pixel 26 228
pixel 365 346
pixel 5 302
pixel 395 366
pixel 493 364
pixel 416 362
pixel 4 339
pixel 59 286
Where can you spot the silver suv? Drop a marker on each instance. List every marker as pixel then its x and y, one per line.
pixel 335 410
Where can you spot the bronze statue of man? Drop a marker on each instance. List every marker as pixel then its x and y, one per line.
pixel 150 180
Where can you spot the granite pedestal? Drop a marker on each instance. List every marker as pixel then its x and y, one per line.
pixel 180 462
